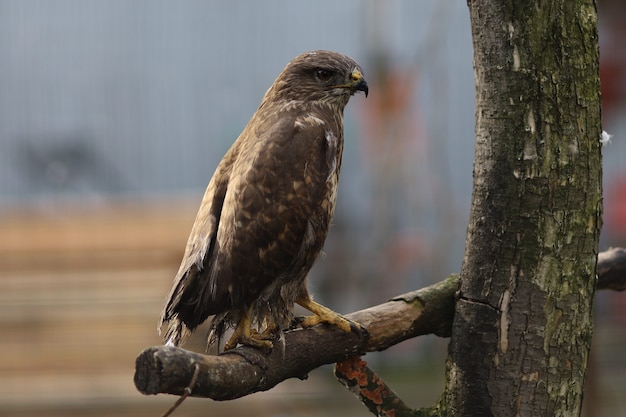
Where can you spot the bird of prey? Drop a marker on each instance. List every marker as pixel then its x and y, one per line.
pixel 267 210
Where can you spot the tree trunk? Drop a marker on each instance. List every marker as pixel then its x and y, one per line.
pixel 523 320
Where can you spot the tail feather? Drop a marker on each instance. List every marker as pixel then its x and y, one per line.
pixel 217 327
pixel 177 333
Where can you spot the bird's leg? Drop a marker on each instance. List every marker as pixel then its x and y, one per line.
pixel 245 335
pixel 325 315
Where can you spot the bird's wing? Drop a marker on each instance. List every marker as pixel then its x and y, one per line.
pixel 200 244
pixel 273 209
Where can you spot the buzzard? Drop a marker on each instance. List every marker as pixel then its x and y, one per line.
pixel 267 210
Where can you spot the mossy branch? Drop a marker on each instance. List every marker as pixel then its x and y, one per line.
pixel 244 370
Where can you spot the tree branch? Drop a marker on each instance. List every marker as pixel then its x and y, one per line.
pixel 377 396
pixel 244 370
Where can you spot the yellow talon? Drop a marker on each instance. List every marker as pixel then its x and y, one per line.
pixel 247 336
pixel 325 315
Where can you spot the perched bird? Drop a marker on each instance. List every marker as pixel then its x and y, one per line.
pixel 267 210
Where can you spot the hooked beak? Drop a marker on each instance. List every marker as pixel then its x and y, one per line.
pixel 358 82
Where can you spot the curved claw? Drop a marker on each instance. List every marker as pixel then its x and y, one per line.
pixel 358 329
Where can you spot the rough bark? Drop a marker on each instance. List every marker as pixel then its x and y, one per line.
pixel 368 387
pixel 523 321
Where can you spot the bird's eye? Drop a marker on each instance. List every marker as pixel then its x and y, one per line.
pixel 323 75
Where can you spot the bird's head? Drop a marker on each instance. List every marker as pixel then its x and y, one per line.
pixel 319 76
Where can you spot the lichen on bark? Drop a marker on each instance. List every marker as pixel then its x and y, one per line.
pixel 523 320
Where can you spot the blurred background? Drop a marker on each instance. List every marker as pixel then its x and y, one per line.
pixel 113 116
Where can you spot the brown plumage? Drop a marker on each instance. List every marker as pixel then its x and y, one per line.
pixel 267 210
